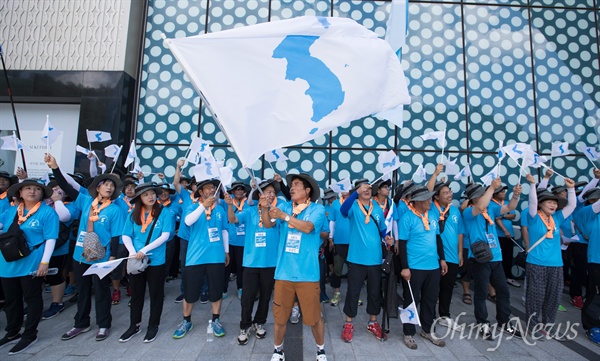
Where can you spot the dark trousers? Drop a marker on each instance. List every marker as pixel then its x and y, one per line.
pixel 356 275
pixel 593 286
pixel 17 290
pixel 425 286
pixel 485 274
pixel 183 246
pixel 154 276
pixel 236 257
pixel 84 301
pixel 255 279
pixel 172 262
pixel 322 272
pixel 507 255
pixel 339 258
pixel 446 288
pixel 579 268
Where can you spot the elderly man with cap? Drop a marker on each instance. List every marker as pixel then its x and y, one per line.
pixel 423 263
pixel 260 248
pixel 207 255
pixel 339 237
pixel 451 229
pixel 544 260
pixel 39 223
pixel 506 233
pixel 237 234
pixel 367 229
pixel 101 219
pixel 297 270
pixel 480 226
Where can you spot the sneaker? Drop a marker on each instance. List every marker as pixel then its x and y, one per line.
pixel 409 342
pixel 433 338
pixel 169 279
pixel 321 355
pixel 9 340
pixel 594 335
pixel 204 298
pixel 375 329
pixel 183 328
pixel 240 294
pixel 347 332
pixel 218 329
pixel 485 331
pixel 70 290
pixel 179 298
pixel 75 331
pixel 562 308
pixel 102 334
pixel 450 323
pixel 224 296
pixel 116 297
pixel 278 356
pixel 242 339
pixel 151 334
pixel 512 330
pixel 22 345
pixel 324 297
pixel 47 289
pixel 335 299
pixel 295 316
pixel 260 331
pixel 131 331
pixel 513 283
pixel 232 277
pixel 577 302
pixel 360 303
pixel 53 310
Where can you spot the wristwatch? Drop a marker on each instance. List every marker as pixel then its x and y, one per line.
pixel 287 218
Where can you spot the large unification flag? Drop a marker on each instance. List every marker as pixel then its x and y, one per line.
pixel 286 82
pixel 560 149
pixel 97 136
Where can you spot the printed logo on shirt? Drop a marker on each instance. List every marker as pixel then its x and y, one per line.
pixel 455 218
pixel 433 223
pixel 103 219
pixel 34 223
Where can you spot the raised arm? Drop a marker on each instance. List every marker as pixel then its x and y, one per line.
pixel 431 182
pixel 571 198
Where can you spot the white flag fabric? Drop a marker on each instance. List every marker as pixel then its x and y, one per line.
pixel 97 136
pixel 275 155
pixel 590 152
pixel 420 173
pixel 516 151
pixel 465 172
pixel 50 133
pixel 131 155
pixel 439 137
pixel 389 221
pixel 202 172
pixel 388 162
pixel 226 175
pixel 201 146
pixel 534 160
pixel 112 151
pixel 290 81
pixel 409 314
pixel 11 142
pixel 103 268
pixel 488 178
pixel 342 186
pixel 83 150
pixel 451 167
pixel 194 157
pixel 560 149
pixel 500 152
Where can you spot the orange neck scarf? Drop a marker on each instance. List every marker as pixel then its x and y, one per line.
pixel 95 210
pixel 549 223
pixel 194 199
pixel 21 210
pixel 439 208
pixel 384 205
pixel 487 216
pixel 3 195
pixel 145 220
pixel 165 203
pixel 297 209
pixel 239 205
pixel 128 204
pixel 424 217
pixel 498 202
pixel 208 211
pixel 365 212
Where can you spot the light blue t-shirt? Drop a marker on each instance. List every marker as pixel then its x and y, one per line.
pixel 108 225
pixel 547 252
pixel 479 229
pixel 134 231
pixel 421 245
pixel 506 222
pixel 452 228
pixel 590 222
pixel 237 232
pixel 365 239
pixel 261 244
pixel 38 228
pixel 187 206
pixel 298 254
pixel 341 231
pixel 206 240
pixel 74 212
pixel 172 210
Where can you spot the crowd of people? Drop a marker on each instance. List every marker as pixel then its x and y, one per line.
pixel 282 246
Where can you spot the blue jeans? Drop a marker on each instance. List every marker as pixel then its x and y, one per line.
pixel 483 275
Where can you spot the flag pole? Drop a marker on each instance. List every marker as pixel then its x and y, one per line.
pixel 551 155
pixel 271 165
pixel 251 174
pixel 48 135
pixel 558 174
pixel 413 301
pixel 521 168
pixel 444 146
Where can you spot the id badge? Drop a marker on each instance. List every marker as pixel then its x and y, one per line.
pixel 260 239
pixel 240 230
pixel 491 240
pixel 213 234
pixel 80 239
pixel 292 244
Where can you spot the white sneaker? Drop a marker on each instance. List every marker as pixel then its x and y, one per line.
pixel 260 331
pixel 278 356
pixel 513 283
pixel 485 331
pixel 450 323
pixel 243 337
pixel 295 316
pixel 321 356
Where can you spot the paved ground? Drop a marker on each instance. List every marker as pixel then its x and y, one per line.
pixel 299 342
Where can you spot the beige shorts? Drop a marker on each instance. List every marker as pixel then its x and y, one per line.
pixel 308 296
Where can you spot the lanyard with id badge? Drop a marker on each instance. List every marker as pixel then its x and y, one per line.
pixel 490 237
pixel 213 234
pixel 260 239
pixel 292 243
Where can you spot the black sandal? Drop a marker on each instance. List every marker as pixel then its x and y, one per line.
pixel 491 298
pixel 467 299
